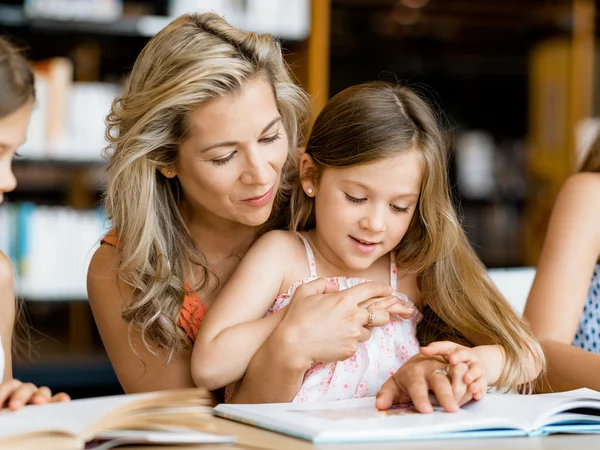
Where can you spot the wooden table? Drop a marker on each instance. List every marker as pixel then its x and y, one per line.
pixel 250 438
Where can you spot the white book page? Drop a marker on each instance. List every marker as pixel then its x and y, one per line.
pixel 74 417
pixel 535 411
pixel 359 419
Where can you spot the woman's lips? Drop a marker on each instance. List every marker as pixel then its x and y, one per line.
pixel 260 201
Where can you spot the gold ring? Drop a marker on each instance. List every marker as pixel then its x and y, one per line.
pixel 442 370
pixel 371 317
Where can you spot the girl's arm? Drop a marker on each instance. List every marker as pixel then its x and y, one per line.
pixel 235 327
pixel 569 255
pixel 14 393
pixel 7 317
pixel 137 369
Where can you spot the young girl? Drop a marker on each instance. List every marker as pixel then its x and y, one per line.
pixel 18 95
pixel 563 307
pixel 371 202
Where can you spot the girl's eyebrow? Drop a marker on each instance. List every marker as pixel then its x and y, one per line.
pixel 232 143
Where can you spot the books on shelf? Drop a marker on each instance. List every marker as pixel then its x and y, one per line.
pixel 357 420
pixel 50 248
pixel 166 417
pixel 68 120
pixel 91 10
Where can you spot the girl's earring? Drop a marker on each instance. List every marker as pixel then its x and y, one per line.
pixel 169 172
pixel 309 191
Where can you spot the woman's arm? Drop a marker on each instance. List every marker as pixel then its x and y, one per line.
pixel 137 369
pixel 320 324
pixel 235 326
pixel 569 367
pixel 569 255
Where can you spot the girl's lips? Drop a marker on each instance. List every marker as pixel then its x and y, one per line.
pixel 363 247
pixel 260 201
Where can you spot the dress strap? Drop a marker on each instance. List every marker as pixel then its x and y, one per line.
pixel 393 272
pixel 311 257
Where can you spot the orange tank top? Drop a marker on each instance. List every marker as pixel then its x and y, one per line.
pixel 192 311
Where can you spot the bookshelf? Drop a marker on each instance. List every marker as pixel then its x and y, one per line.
pixel 61 172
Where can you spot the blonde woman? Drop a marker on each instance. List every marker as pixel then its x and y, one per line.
pixel 370 201
pixel 18 95
pixel 564 303
pixel 200 145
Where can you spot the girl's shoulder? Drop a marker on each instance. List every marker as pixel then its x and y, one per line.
pixel 7 297
pixel 6 272
pixel 280 240
pixel 581 186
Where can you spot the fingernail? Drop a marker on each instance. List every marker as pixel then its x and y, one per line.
pixel 16 404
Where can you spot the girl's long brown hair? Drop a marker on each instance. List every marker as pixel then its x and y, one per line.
pixel 372 121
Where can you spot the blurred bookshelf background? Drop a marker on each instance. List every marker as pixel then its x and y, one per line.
pixel 515 80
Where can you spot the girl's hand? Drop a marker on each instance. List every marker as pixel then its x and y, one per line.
pixel 473 380
pixel 15 394
pixel 413 382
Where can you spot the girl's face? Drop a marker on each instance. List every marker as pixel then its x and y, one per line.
pixel 362 212
pixel 230 165
pixel 13 132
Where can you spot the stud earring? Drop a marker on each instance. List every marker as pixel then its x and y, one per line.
pixel 309 191
pixel 169 172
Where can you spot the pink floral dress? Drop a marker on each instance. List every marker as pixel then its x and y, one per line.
pixel 375 361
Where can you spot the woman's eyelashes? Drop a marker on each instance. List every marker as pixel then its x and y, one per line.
pixel 225 160
pixel 271 139
pixel 265 140
pixel 358 200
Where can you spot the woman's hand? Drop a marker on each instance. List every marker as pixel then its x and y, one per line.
pixel 475 380
pixel 324 324
pixel 15 394
pixel 419 375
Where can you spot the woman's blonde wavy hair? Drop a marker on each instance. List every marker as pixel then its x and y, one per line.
pixel 377 120
pixel 196 58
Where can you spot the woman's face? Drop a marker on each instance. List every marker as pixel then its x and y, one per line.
pixel 13 132
pixel 230 165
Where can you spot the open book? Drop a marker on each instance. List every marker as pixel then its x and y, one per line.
pixel 357 420
pixel 165 417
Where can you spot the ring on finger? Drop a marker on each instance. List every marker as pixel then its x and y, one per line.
pixel 371 319
pixel 442 370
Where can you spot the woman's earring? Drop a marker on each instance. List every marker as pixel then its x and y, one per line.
pixel 169 172
pixel 309 191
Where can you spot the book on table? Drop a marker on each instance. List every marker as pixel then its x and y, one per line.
pixel 358 420
pixel 182 416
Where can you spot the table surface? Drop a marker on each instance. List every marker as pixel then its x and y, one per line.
pixel 251 438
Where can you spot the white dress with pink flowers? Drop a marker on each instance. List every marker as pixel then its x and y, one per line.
pixel 374 362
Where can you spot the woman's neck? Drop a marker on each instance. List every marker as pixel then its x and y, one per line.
pixel 218 238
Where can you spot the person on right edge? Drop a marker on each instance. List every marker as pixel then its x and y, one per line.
pixel 563 307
